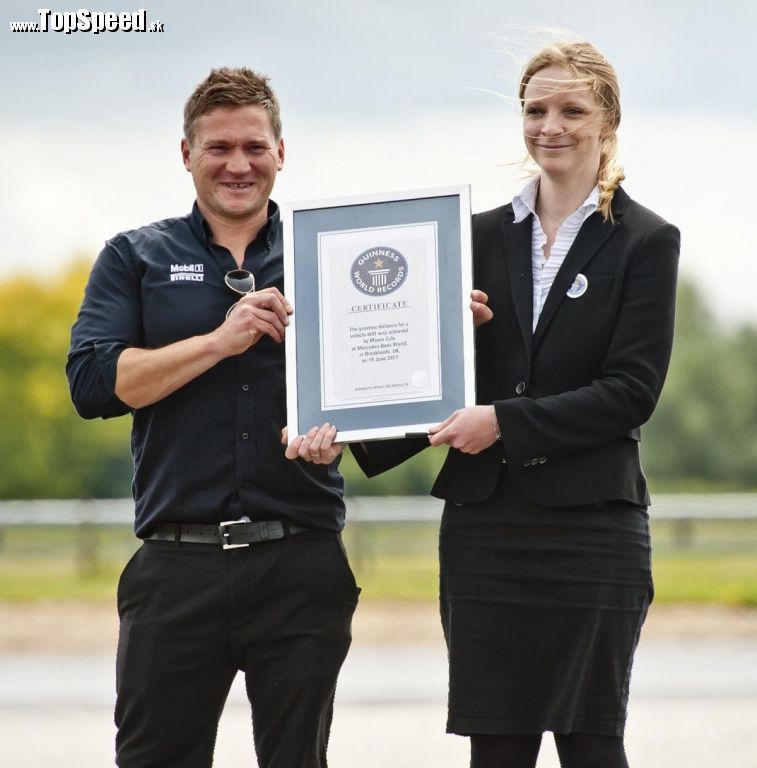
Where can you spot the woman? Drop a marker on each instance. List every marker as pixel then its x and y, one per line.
pixel 544 548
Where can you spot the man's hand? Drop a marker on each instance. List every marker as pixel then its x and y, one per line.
pixel 315 446
pixel 470 430
pixel 261 313
pixel 481 312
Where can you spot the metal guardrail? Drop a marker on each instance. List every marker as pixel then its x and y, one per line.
pixel 684 514
pixel 370 509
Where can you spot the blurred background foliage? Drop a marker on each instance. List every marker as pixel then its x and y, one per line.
pixel 703 435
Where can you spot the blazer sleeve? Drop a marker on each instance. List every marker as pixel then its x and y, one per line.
pixel 633 371
pixel 378 456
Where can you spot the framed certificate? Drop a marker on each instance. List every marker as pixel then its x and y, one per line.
pixel 381 340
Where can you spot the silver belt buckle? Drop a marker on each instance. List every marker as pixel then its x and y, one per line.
pixel 224 534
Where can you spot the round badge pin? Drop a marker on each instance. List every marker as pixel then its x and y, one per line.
pixel 578 287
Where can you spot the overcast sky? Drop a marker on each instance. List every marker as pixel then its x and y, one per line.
pixel 376 96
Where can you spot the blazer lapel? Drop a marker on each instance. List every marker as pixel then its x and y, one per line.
pixel 518 258
pixel 590 238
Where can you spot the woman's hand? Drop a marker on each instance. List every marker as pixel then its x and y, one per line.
pixel 470 430
pixel 315 447
pixel 478 305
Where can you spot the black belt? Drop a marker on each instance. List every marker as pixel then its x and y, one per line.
pixel 229 535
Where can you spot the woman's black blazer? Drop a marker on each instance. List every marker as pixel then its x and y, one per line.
pixel 572 395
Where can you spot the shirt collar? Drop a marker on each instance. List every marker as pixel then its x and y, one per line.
pixel 270 231
pixel 524 203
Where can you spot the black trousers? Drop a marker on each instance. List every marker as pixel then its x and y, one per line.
pixel 192 615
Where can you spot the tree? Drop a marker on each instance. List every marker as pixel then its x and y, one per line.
pixel 703 434
pixel 46 450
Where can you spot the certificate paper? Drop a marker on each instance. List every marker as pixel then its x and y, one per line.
pixel 380 344
pixel 379 316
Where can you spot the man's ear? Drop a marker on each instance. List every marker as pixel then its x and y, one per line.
pixel 185 153
pixel 280 154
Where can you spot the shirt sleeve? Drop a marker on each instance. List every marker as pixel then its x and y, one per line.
pixel 109 321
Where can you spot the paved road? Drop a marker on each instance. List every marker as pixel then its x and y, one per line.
pixel 693 705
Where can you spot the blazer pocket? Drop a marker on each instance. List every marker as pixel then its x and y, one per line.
pixel 599 285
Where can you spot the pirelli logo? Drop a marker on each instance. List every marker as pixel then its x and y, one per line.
pixel 187 272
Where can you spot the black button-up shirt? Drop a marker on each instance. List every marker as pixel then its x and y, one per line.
pixel 210 451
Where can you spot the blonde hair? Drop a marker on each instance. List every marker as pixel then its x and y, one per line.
pixel 590 69
pixel 231 87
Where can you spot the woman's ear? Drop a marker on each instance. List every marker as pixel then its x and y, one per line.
pixel 609 127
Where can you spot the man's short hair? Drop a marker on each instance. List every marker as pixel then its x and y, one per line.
pixel 231 87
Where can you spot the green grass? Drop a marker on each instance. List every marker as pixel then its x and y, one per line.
pixel 50 579
pixel 62 562
pixel 701 578
pixel 728 579
pixel 399 578
pixel 391 561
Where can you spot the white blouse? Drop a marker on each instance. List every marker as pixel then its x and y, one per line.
pixel 544 269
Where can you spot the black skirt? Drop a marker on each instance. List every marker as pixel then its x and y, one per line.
pixel 542 610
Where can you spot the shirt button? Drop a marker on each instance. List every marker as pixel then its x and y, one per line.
pixel 245 435
pixel 245 387
pixel 520 387
pixel 245 484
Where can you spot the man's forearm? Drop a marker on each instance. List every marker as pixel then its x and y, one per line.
pixel 145 376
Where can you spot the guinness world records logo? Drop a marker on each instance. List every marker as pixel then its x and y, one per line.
pixel 379 271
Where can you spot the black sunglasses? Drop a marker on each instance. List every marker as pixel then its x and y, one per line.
pixel 240 281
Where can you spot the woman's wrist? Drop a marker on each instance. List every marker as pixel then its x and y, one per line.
pixel 495 425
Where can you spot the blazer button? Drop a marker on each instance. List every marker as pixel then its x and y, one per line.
pixel 526 462
pixel 520 387
pixel 542 459
pixel 534 461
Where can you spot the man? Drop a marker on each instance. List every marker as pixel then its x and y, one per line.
pixel 270 593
